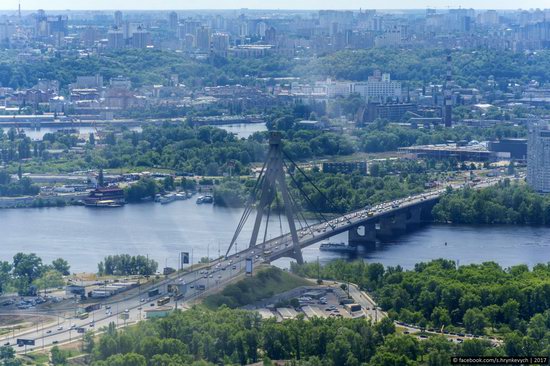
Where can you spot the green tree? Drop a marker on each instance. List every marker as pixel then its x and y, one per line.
pixel 168 183
pixel 61 266
pixel 88 342
pixel 26 269
pixel 440 317
pixel 49 279
pixel 492 313
pixel 58 357
pixel 474 321
pixel 5 275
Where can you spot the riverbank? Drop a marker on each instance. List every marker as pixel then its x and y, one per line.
pixel 60 200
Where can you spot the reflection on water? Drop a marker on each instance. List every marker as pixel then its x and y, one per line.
pixel 244 130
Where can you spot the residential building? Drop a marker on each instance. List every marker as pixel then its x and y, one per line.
pixel 202 40
pixel 378 88
pixel 141 38
pixel 115 39
pixel 538 157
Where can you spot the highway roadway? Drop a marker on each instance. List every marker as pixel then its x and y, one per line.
pixel 134 302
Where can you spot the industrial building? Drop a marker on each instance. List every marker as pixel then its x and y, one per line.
pixel 470 152
pixel 512 149
pixel 390 111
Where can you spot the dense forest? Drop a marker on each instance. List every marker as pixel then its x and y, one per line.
pixel 425 65
pixel 480 298
pixel 502 204
pixel 236 337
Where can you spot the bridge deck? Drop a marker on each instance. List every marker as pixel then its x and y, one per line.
pixel 282 246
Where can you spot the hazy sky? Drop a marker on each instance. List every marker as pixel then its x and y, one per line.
pixel 270 4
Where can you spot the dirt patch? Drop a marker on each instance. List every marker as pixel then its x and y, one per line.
pixel 21 321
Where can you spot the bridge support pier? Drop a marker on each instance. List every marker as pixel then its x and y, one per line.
pixel 400 222
pixel 414 217
pixel 385 228
pixel 297 255
pixel 362 235
pixel 392 225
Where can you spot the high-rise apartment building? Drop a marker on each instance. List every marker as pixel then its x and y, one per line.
pixel 173 21
pixel 220 44
pixel 118 18
pixel 203 39
pixel 115 39
pixel 141 38
pixel 538 157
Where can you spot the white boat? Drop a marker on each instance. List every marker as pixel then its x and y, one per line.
pixel 181 196
pixel 170 197
pixel 205 199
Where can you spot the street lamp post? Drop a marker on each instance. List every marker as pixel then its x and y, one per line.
pixel 318 270
pixel 42 321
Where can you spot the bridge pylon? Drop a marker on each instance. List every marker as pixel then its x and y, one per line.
pixel 275 178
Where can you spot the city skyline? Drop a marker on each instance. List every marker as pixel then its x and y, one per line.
pixel 272 4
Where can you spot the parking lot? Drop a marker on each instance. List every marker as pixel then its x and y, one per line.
pixel 320 303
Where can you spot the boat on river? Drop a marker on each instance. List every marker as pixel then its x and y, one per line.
pixel 205 199
pixel 167 198
pixel 105 197
pixel 337 247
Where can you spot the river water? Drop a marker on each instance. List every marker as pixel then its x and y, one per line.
pixel 242 130
pixel 84 236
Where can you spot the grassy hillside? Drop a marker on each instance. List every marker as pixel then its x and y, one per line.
pixel 266 283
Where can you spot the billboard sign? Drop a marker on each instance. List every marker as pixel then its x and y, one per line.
pixel 25 342
pixel 248 266
pixel 184 258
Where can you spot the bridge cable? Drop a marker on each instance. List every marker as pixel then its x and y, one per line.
pixel 298 210
pixel 311 182
pixel 266 224
pixel 307 227
pixel 317 210
pixel 279 213
pixel 248 207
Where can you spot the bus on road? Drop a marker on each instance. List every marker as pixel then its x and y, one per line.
pixel 165 300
